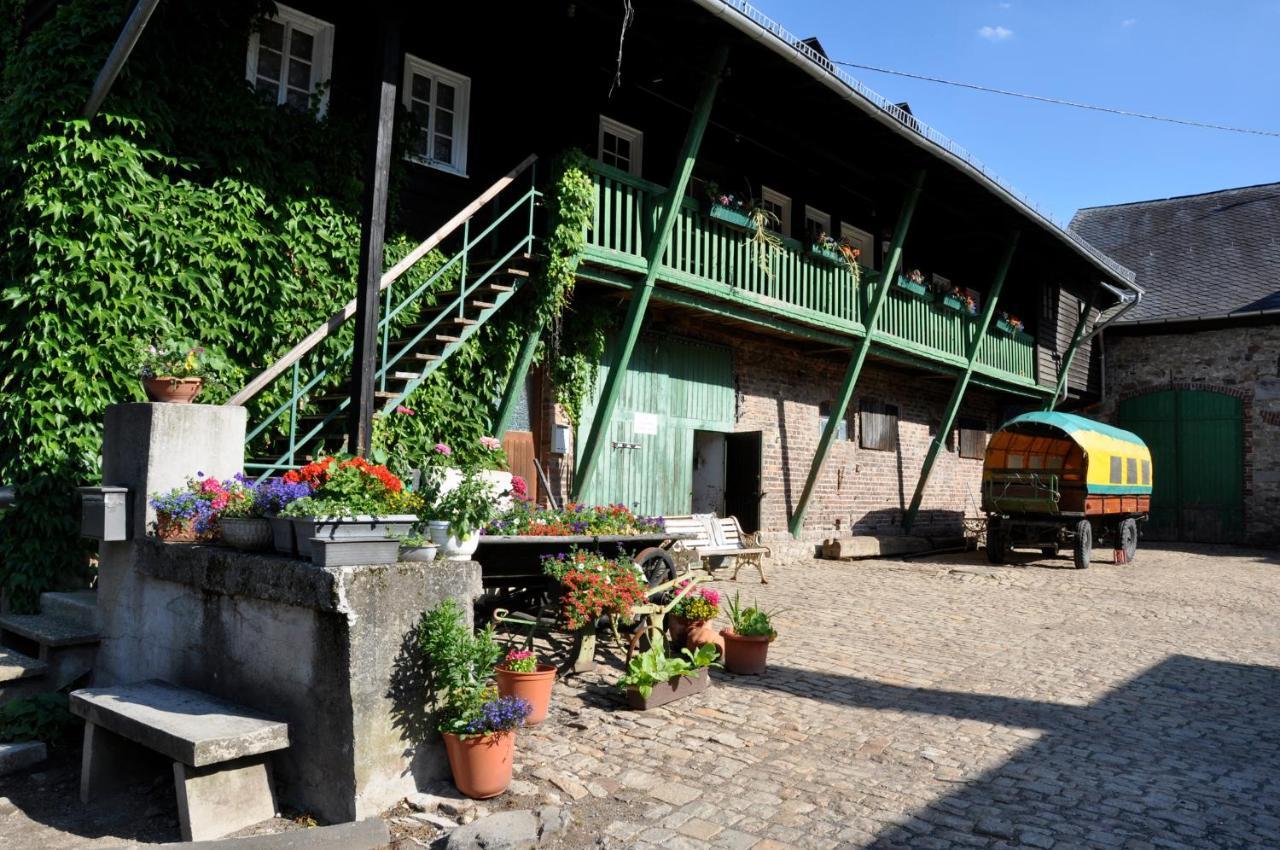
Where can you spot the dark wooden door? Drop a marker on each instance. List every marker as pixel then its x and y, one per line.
pixel 744 458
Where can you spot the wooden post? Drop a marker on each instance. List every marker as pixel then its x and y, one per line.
pixel 1065 371
pixel 519 373
pixel 630 331
pixel 860 352
pixel 962 384
pixel 373 225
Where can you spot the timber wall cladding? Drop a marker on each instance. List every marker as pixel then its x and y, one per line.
pixel 861 491
pixel 1243 362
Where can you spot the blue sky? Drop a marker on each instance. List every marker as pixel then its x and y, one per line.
pixel 1210 61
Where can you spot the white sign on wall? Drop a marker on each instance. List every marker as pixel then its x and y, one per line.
pixel 645 423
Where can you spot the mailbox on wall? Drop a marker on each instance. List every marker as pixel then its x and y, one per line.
pixel 104 513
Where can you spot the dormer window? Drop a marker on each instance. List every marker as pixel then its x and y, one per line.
pixel 291 57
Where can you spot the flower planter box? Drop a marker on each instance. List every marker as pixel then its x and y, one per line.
pixel 730 216
pixel 910 287
pixel 950 302
pixel 673 689
pixel 827 255
pixel 1006 328
pixel 353 551
pixel 307 529
pixel 245 533
pixel 282 537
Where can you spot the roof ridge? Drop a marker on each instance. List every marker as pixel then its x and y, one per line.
pixel 1176 197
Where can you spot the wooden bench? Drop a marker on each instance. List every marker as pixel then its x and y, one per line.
pixel 219 750
pixel 715 537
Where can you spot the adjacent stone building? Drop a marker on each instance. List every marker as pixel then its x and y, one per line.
pixel 1195 367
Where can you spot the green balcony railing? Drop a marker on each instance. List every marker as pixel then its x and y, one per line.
pixel 714 258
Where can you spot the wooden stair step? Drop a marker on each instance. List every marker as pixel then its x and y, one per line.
pixel 380 395
pixel 482 305
pixel 403 376
pixel 15 666
pixel 46 630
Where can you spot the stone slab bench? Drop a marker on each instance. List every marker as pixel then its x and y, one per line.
pixel 219 750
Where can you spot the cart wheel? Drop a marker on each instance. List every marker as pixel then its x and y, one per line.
pixel 1083 544
pixel 1129 539
pixel 657 565
pixel 997 546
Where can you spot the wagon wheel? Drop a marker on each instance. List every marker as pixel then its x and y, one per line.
pixel 1129 539
pixel 1083 544
pixel 997 545
pixel 657 565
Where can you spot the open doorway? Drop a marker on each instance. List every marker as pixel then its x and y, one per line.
pixel 744 458
pixel 708 481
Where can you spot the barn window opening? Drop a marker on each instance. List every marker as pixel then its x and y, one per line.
pixel 878 424
pixel 973 438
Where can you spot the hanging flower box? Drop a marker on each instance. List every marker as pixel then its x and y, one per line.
pixel 826 254
pixel 952 302
pixel 1010 325
pixel 916 289
pixel 732 216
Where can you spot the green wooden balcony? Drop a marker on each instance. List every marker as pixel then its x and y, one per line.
pixel 715 259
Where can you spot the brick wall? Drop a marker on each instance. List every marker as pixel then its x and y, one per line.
pixel 1240 361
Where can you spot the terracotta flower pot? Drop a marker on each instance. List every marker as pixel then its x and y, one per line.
pixel 745 654
pixel 700 633
pixel 534 687
pixel 172 390
pixel 481 765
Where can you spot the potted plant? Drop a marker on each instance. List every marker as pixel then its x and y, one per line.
pixel 477 725
pixel 592 586
pixel 521 675
pixel 242 522
pixel 174 371
pixel 1009 324
pixel 913 283
pixel 687 621
pixel 746 641
pixel 352 499
pixel 189 514
pixel 729 208
pixel 654 678
pixel 415 548
pixel 274 495
pixel 466 508
pixel 962 300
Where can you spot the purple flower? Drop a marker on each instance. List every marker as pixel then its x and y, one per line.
pixel 275 493
pixel 499 715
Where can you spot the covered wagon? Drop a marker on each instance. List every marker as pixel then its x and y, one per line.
pixel 1056 480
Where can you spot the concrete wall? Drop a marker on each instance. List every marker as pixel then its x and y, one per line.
pixel 1243 361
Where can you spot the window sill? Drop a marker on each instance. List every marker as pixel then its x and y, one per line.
pixel 437 166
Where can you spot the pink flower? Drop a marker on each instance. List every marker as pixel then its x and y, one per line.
pixel 442 449
pixel 219 501
pixel 490 443
pixel 404 411
pixel 711 595
pixel 519 489
pixel 211 485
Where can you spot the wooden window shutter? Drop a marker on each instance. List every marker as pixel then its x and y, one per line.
pixel 973 438
pixel 879 425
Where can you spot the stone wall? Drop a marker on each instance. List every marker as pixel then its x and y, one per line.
pixel 1242 361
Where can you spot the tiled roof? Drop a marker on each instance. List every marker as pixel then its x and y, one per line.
pixel 1198 255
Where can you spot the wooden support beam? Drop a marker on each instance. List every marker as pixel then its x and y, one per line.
pixel 373 224
pixel 859 353
pixel 1064 371
pixel 516 381
pixel 120 51
pixel 962 384
pixel 630 331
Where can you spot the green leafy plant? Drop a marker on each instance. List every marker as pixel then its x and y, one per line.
pixel 654 666
pixel 468 506
pixel 459 665
pixel 751 622
pixel 182 358
pixel 43 717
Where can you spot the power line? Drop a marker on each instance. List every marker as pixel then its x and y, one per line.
pixel 1060 102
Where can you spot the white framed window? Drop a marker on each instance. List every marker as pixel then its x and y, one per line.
pixel 440 101
pixel 863 241
pixel 778 204
pixel 815 222
pixel 621 146
pixel 290 56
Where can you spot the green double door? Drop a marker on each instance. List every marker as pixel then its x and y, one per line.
pixel 1197 455
pixel 674 386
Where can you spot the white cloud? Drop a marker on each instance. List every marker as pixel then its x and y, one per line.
pixel 995 33
pixel 1128 22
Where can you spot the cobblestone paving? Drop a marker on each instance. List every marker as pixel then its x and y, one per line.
pixel 952 704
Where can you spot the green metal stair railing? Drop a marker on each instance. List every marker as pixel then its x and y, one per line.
pixel 519 212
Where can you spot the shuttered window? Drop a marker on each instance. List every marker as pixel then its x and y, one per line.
pixel 879 425
pixel 973 438
pixel 824 413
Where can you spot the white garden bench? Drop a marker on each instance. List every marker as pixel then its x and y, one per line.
pixel 707 536
pixel 219 751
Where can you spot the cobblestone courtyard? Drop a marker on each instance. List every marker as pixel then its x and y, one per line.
pixel 946 703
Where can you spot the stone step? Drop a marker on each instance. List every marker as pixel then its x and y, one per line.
pixel 47 631
pixel 79 606
pixel 15 666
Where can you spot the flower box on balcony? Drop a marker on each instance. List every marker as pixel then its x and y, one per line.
pixel 1007 328
pixel 912 288
pixel 827 255
pixel 731 216
pixel 951 302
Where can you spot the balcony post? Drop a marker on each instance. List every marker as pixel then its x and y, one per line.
pixel 962 384
pixel 1065 370
pixel 640 292
pixel 860 352
pixel 520 372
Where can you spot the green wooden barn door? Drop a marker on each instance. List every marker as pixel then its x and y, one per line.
pixel 1197 447
pixel 673 387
